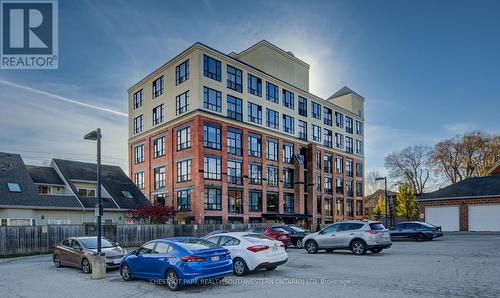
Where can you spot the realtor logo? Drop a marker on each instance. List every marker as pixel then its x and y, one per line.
pixel 29 34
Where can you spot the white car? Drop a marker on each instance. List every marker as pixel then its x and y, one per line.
pixel 251 251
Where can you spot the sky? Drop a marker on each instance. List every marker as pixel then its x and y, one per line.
pixel 428 70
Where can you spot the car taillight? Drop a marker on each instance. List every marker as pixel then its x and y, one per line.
pixel 192 259
pixel 372 231
pixel 257 248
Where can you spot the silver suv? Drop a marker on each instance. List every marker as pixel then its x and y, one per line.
pixel 355 235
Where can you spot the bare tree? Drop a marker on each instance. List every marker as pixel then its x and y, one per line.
pixel 410 165
pixel 370 182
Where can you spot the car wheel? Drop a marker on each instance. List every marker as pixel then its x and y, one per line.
pixel 125 273
pixel 86 266
pixel 299 244
pixel 240 268
pixel 375 250
pixel 420 237
pixel 329 250
pixel 172 281
pixel 311 247
pixel 358 247
pixel 271 268
pixel 57 261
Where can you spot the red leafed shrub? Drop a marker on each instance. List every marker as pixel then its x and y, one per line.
pixel 154 214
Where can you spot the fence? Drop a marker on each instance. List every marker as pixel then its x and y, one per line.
pixel 19 240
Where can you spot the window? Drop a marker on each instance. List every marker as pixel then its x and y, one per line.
pixel 359 170
pixel 212 136
pixel 327 163
pixel 349 189
pixel 138 123
pixel 234 108
pixel 289 202
pixel 272 202
pixel 139 179
pixel 182 103
pixel 211 68
pixel 302 130
pixel 288 124
pixel 86 192
pixel 327 138
pixel 272 149
pixel 254 85
pixel 138 99
pixel 234 79
pixel 158 115
pixel 359 128
pixel 272 119
pixel 288 178
pixel 184 200
pixel 348 124
pixel 339 168
pixel 349 208
pixel 327 207
pixel 316 110
pixel 287 153
pixel 212 168
pixel 302 106
pixel 272 176
pixel 255 173
pixel 339 140
pixel 359 147
pixel 359 207
pixel 234 142
pixel 182 72
pixel 254 145
pixel 254 113
pixel 348 168
pixel 212 220
pixel 184 170
pixel 339 186
pixel 339 119
pixel 127 195
pixel 14 187
pixel 234 172
pixel 328 185
pixel 212 99
pixel 157 87
pixel 272 92
pixel 317 158
pixel 158 147
pixel 288 100
pixel 184 138
pixel 139 153
pixel 234 199
pixel 340 206
pixel 316 133
pixel 213 198
pixel 359 188
pixel 318 183
pixel 159 174
pixel 327 116
pixel 348 144
pixel 255 200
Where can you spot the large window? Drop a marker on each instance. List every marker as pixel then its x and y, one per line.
pixel 302 130
pixel 318 183
pixel 272 202
pixel 327 116
pixel 213 198
pixel 359 147
pixel 349 187
pixel 139 153
pixel 234 108
pixel 272 149
pixel 212 136
pixel 339 186
pixel 316 133
pixel 139 179
pixel 288 178
pixel 339 168
pixel 184 200
pixel 359 188
pixel 184 170
pixel 234 79
pixel 212 99
pixel 138 99
pixel 272 119
pixel 288 124
pixel 317 158
pixel 158 114
pixel 327 164
pixel 287 153
pixel 340 207
pixel 348 168
pixel 349 211
pixel 211 68
pixel 182 72
pixel 234 173
pixel 348 124
pixel 254 113
pixel 359 170
pixel 254 85
pixel 184 138
pixel 289 203
pixel 339 119
pixel 234 141
pixel 159 174
pixel 272 92
pixel 255 173
pixel 339 140
pixel 359 128
pixel 316 110
pixel 254 145
pixel 327 138
pixel 288 100
pixel 182 103
pixel 138 124
pixel 302 106
pixel 327 186
pixel 157 87
pixel 255 200
pixel 234 201
pixel 212 168
pixel 359 207
pixel 272 176
pixel 348 145
pixel 158 147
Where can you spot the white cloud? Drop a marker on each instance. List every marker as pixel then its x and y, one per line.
pixel 458 128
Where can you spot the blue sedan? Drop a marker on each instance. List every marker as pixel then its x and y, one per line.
pixel 177 262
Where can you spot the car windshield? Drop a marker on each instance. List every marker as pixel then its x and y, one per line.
pixel 195 244
pixel 427 225
pixel 91 243
pixel 377 226
pixel 297 229
pixel 256 237
pixel 278 230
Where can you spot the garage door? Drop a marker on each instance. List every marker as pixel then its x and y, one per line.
pixel 445 217
pixel 484 218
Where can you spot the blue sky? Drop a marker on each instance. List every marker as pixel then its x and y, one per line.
pixel 428 69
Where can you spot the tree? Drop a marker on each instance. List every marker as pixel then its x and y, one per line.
pixel 154 214
pixel 411 166
pixel 380 207
pixel 406 205
pixel 371 183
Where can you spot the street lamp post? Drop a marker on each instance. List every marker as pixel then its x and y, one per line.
pixel 386 196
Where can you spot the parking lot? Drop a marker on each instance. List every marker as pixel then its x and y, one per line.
pixel 456 265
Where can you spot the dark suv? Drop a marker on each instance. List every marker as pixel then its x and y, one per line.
pixel 419 231
pixel 296 234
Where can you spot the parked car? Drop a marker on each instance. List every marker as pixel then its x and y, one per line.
pixel 177 262
pixel 276 233
pixel 296 234
pixel 215 233
pixel 251 251
pixel 419 231
pixel 355 235
pixel 77 252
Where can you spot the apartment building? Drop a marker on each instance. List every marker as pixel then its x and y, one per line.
pixel 238 138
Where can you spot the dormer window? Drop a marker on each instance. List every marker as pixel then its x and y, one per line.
pixel 44 190
pixel 86 192
pixel 127 194
pixel 14 187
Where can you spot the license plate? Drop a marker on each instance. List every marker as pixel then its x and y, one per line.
pixel 214 259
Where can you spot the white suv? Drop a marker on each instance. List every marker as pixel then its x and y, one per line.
pixel 355 235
